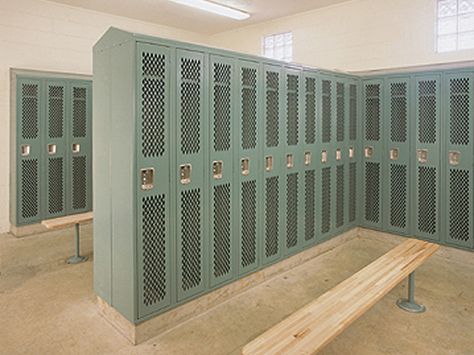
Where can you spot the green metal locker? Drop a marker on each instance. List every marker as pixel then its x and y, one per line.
pixel 351 151
pixel 340 156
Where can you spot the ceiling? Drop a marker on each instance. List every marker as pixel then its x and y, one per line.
pixel 167 13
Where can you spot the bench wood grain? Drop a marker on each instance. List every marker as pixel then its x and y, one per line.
pixel 68 221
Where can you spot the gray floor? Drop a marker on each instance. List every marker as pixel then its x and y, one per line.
pixel 48 307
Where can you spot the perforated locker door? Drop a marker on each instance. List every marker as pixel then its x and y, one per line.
pixel 372 154
pixel 273 164
pixel 427 156
pixel 352 152
pixel 28 150
pixel 154 247
pixel 457 159
pixel 79 151
pixel 397 155
pixel 341 156
pixel 54 146
pixel 222 116
pixel 191 191
pixel 248 171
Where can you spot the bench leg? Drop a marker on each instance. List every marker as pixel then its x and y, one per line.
pixel 409 304
pixel 77 258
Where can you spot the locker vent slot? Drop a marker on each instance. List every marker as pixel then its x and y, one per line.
pixel 353 112
pixel 291 210
pixel 326 119
pixel 398 195
pixel 326 200
pixel 352 191
pixel 249 223
pixel 459 100
pixel 292 110
pixel 29 188
pixel 427 111
pixel 154 249
pixel 427 200
pixel 153 105
pixel 372 112
pixel 79 179
pixel 79 113
pixel 190 99
pixel 340 112
pixel 309 201
pixel 372 191
pixel 29 111
pixel 339 195
pixel 398 112
pixel 222 106
pixel 272 109
pixel 55 185
pixel 222 231
pixel 459 205
pixel 191 253
pixel 310 111
pixel 271 216
pixel 249 108
pixel 56 111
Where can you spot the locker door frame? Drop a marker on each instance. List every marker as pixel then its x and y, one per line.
pixel 351 144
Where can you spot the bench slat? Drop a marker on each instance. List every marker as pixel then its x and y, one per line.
pixel 67 221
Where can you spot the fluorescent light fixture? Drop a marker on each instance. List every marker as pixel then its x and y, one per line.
pixel 215 8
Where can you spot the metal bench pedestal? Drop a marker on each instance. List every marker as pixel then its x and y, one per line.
pixel 76 258
pixel 409 304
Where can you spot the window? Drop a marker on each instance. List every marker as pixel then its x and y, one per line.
pixel 455 25
pixel 278 46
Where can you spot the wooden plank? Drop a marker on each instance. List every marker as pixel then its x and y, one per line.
pixel 67 221
pixel 312 327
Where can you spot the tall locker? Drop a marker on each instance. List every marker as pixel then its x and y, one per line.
pixel 340 156
pixel 457 159
pixel 351 151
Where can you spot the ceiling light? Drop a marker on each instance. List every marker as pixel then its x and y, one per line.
pixel 214 8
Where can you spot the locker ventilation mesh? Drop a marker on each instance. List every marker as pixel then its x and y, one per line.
pixel 326 200
pixel 291 210
pixel 398 195
pixel 79 176
pixel 56 111
pixel 398 112
pixel 459 205
pixel 249 108
pixel 326 119
pixel 372 192
pixel 372 112
pixel 249 223
pixel 339 195
pixel 427 200
pixel 55 185
pixel 459 111
pixel 222 231
pixel 154 249
pixel 427 111
pixel 272 109
pixel 79 112
pixel 352 191
pixel 29 111
pixel 191 253
pixel 271 216
pixel 353 112
pixel 29 188
pixel 153 105
pixel 190 91
pixel 292 110
pixel 340 108
pixel 310 111
pixel 309 203
pixel 222 106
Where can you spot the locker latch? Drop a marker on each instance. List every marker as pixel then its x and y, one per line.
pixel 245 166
pixel 76 147
pixel 454 157
pixel 369 152
pixel 217 169
pixel 324 156
pixel 289 161
pixel 51 149
pixel 338 154
pixel 185 173
pixel 351 152
pixel 394 154
pixel 422 155
pixel 25 150
pixel 307 158
pixel 268 163
pixel 146 178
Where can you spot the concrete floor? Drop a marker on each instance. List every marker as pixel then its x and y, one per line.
pixel 48 307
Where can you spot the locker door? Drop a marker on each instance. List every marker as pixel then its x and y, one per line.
pixel 397 155
pixel 248 163
pixel 340 156
pixel 190 172
pixel 222 79
pixel 427 157
pixel 274 169
pixel 55 147
pixel 154 252
pixel 458 159
pixel 29 147
pixel 372 162
pixel 351 152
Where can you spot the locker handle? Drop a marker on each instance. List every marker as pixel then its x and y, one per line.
pixel 51 149
pixel 185 173
pixel 307 158
pixel 338 154
pixel 217 169
pixel 324 156
pixel 369 152
pixel 454 157
pixel 25 150
pixel 394 154
pixel 422 155
pixel 146 178
pixel 289 161
pixel 245 166
pixel 268 163
pixel 351 152
pixel 76 147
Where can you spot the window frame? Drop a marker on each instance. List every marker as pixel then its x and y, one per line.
pixel 285 47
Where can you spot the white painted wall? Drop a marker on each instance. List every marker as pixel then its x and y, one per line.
pixel 41 35
pixel 355 35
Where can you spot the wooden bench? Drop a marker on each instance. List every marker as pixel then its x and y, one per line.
pixel 68 221
pixel 312 327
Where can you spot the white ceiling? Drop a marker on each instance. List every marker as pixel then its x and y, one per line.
pixel 165 12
